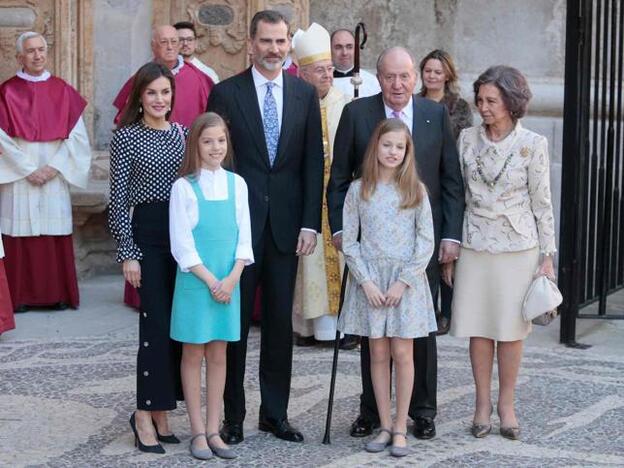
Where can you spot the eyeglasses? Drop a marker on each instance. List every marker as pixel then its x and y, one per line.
pixel 324 70
pixel 184 40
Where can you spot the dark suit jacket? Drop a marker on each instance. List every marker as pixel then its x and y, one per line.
pixel 436 158
pixel 289 194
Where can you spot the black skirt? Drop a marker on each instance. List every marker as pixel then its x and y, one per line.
pixel 159 386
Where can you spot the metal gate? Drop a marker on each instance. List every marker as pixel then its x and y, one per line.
pixel 591 262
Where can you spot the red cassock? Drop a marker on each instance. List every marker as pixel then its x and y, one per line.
pixel 7 321
pixel 192 88
pixel 40 270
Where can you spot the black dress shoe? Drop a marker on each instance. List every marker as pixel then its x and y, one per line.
pixel 424 427
pixel 140 445
pixel 167 439
pixel 362 427
pixel 349 342
pixel 20 309
pixel 280 429
pixel 443 325
pixel 231 433
pixel 60 306
pixel 305 341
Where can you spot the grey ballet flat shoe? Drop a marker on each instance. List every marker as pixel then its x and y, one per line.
pixel 376 447
pixel 397 451
pixel 511 433
pixel 200 454
pixel 480 430
pixel 226 453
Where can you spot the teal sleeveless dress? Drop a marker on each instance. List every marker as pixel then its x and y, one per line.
pixel 196 317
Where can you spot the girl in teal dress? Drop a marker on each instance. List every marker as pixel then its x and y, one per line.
pixel 211 241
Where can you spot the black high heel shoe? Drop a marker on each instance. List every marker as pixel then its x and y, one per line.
pixel 167 439
pixel 137 442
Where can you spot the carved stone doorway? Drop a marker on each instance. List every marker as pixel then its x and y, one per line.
pixel 222 26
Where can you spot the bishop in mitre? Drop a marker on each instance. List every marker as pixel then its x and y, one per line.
pixel 317 290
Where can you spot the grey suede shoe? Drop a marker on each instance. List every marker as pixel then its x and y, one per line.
pixel 397 451
pixel 376 447
pixel 200 454
pixel 226 453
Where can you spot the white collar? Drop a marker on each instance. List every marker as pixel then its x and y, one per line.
pixel 260 80
pixel 287 62
pixel 212 173
pixel 175 70
pixel 407 111
pixel 35 79
pixel 344 71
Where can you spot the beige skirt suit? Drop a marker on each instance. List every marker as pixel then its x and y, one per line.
pixel 508 225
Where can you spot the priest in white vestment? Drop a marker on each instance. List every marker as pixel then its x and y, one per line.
pixel 45 149
pixel 343 56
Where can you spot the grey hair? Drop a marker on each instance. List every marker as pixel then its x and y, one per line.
pixel 385 52
pixel 19 44
pixel 512 85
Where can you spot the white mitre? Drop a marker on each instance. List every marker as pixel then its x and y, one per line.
pixel 312 45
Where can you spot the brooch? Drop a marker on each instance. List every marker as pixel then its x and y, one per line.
pixel 524 151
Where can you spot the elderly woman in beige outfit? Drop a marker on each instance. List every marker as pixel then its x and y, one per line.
pixel 508 237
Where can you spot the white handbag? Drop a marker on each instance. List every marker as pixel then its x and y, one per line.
pixel 543 297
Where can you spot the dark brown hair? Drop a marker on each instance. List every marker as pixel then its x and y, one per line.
pixel 512 85
pixel 268 16
pixel 132 111
pixel 406 176
pixel 191 165
pixel 451 88
pixel 185 25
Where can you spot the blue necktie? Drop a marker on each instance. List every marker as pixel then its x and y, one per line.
pixel 270 123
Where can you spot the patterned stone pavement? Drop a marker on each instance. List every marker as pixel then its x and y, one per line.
pixel 67 402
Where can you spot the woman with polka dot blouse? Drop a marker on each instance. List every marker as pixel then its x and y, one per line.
pixel 146 153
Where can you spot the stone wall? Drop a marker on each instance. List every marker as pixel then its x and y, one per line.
pixel 528 34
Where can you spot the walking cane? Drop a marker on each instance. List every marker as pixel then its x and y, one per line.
pixel 332 383
pixel 356 81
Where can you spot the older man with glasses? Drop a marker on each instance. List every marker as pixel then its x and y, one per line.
pixel 192 86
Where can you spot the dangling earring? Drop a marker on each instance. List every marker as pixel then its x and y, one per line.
pixel 140 109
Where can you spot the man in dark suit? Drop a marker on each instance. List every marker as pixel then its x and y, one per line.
pixel 274 121
pixel 438 166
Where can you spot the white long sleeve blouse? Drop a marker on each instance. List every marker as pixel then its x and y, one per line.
pixel 184 215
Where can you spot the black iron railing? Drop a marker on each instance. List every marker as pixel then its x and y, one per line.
pixel 591 264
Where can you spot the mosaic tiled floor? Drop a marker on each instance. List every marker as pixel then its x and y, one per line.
pixel 68 403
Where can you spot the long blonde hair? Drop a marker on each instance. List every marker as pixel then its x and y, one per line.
pixel 405 177
pixel 191 165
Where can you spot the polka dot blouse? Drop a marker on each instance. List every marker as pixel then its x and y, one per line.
pixel 144 163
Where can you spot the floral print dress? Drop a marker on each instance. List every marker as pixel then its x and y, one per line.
pixel 394 244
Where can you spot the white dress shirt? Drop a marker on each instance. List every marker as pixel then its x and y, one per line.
pixel 407 114
pixel 260 82
pixel 184 215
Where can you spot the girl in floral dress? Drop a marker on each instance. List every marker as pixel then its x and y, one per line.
pixel 388 297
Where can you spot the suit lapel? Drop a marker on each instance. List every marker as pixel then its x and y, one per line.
pixel 419 122
pixel 377 115
pixel 248 102
pixel 289 108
